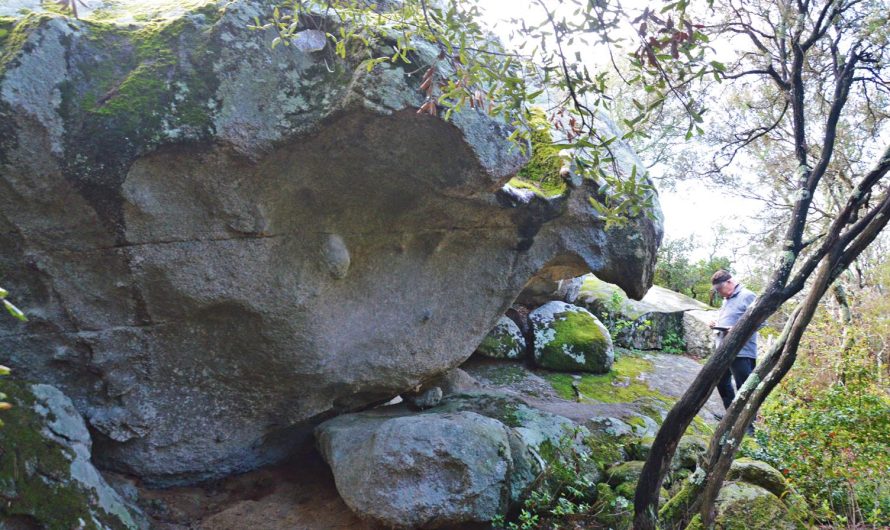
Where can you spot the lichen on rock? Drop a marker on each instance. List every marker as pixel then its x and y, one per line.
pixel 569 338
pixel 504 341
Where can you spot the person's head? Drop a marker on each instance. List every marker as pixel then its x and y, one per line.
pixel 723 283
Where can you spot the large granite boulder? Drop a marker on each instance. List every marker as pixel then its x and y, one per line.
pixel 219 243
pixel 47 479
pixel 569 338
pixel 657 322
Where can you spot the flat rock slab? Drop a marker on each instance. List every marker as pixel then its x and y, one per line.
pixel 670 376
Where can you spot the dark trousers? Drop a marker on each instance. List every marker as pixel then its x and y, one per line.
pixel 740 370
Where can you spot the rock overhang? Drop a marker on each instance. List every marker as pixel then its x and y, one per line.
pixel 254 241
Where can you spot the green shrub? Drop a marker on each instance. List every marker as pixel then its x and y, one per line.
pixel 834 450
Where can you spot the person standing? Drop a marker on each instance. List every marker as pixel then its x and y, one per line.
pixel 736 300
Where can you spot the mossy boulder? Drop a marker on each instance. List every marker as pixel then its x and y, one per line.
pixel 689 449
pixel 570 338
pixel 46 477
pixel 743 506
pixel 624 472
pixel 760 474
pixel 504 341
pixel 616 510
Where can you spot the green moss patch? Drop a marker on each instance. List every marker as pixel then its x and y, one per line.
pixel 620 385
pixel 542 173
pixel 580 342
pixel 35 470
pixel 14 35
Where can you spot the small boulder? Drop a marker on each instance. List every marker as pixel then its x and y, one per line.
pixel 570 338
pixel 454 381
pixel 742 505
pixel 689 449
pixel 760 474
pixel 426 398
pixel 429 470
pixel 504 341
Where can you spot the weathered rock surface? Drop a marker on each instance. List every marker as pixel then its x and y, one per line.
pixel 465 461
pixel 760 474
pixel 47 479
pixel 743 505
pixel 504 341
pixel 220 243
pixel 658 321
pixel 425 471
pixel 569 338
pixel 698 334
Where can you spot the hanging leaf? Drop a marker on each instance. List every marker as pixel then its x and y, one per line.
pixel 14 311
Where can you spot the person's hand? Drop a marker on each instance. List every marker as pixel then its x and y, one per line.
pixel 712 323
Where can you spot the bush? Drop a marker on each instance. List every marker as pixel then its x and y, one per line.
pixel 827 426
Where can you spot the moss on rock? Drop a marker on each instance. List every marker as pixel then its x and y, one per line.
pixel 504 341
pixel 37 473
pixel 542 173
pixel 621 385
pixel 624 472
pixel 758 473
pixel 742 506
pixel 569 338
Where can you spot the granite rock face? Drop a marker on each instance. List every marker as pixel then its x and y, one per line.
pixel 219 243
pixel 426 471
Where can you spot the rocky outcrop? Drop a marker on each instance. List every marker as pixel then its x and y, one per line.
pixel 569 338
pixel 463 462
pixel 662 320
pixel 47 479
pixel 219 243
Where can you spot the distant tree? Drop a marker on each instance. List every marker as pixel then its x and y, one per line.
pixel 675 271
